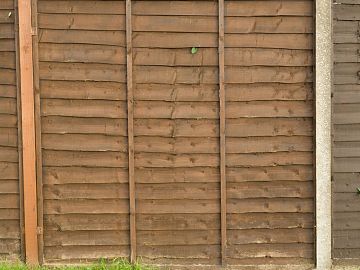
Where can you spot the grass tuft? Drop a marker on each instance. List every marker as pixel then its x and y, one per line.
pixel 116 264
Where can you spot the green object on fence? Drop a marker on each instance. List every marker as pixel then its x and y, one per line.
pixel 194 50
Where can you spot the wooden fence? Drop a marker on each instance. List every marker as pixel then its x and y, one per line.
pixel 178 132
pixel 346 210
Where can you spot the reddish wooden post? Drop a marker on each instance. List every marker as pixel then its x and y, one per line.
pixel 28 131
pixel 222 130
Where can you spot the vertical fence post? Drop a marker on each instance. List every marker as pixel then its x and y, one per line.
pixel 28 131
pixel 130 111
pixel 222 131
pixel 323 84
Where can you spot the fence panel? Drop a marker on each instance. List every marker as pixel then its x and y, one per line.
pixel 10 191
pixel 346 216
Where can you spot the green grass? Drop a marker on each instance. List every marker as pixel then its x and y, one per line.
pixel 102 265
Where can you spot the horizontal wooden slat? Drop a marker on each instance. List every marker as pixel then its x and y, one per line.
pixel 349 253
pixel 9 229
pixel 346 182
pixel 84 206
pixel 82 90
pixel 209 92
pixel 232 8
pixel 346 149
pixel 178 191
pixel 7 91
pixel 86 159
pixel 270 221
pixel 7 59
pixel 9 187
pixel 86 238
pixel 84 125
pixel 9 171
pixel 266 236
pixel 10 246
pixel 232 24
pixel 345 31
pixel 7 45
pixel 346 220
pixel 174 238
pixel 84 142
pixel 269 159
pixel 86 7
pixel 346 164
pixel 79 254
pixel 295 250
pixel 8 137
pixel 274 189
pixel 81 21
pixel 116 38
pixel 7 106
pixel 164 160
pixel 346 202
pixel 83 108
pixel 347 12
pixel 346 239
pixel 9 201
pixel 7 31
pixel 233 145
pixel 346 73
pixel 346 53
pixel 82 72
pixel 81 53
pixel 177 40
pixel 87 222
pixel 86 191
pixel 9 154
pixel 6 4
pixel 9 214
pixel 7 76
pixel 346 132
pixel 270 205
pixel 81 175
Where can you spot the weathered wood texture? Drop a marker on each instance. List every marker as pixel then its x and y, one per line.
pixel 258 193
pixel 9 157
pixel 85 172
pixel 346 139
pixel 268 127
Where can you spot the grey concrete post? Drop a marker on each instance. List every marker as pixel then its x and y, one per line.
pixel 323 84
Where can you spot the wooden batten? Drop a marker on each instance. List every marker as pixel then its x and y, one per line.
pixel 28 131
pixel 222 131
pixel 130 119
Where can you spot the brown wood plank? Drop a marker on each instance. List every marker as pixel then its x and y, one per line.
pixel 232 24
pixel 176 238
pixel 49 52
pixel 271 205
pixel 86 191
pixel 79 142
pixel 86 7
pixel 346 239
pixel 85 206
pixel 86 159
pixel 28 132
pixel 347 12
pixel 82 90
pixel 231 8
pixel 8 91
pixel 82 72
pixel 9 171
pixel 130 130
pixel 293 250
pixel 83 108
pixel 86 238
pixel 116 38
pixel 81 175
pixel 272 236
pixel 7 59
pixel 81 21
pixel 87 222
pixel 274 189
